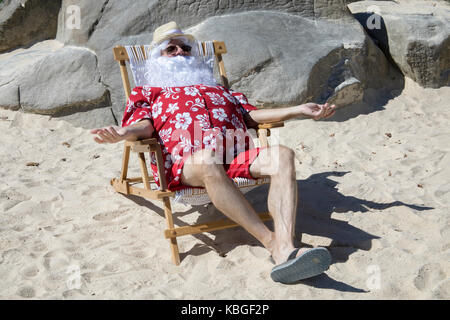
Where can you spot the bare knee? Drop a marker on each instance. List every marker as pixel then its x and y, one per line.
pixel 286 161
pixel 202 166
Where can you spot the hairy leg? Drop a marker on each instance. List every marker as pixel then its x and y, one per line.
pixel 278 163
pixel 200 170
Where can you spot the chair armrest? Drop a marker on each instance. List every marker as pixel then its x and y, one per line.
pixel 144 142
pixel 271 125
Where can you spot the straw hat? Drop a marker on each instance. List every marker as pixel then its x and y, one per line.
pixel 168 31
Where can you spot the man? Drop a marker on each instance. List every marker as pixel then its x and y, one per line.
pixel 192 117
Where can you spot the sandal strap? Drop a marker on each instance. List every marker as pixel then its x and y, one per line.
pixel 293 254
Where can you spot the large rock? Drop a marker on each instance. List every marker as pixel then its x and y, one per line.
pixel 414 35
pixel 53 80
pixel 14 66
pixel 107 20
pixel 107 23
pixel 72 13
pixel 24 22
pixel 280 59
pixel 280 52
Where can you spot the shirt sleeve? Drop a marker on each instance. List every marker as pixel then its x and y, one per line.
pixel 138 106
pixel 245 106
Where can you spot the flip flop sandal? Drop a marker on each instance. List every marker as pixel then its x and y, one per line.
pixel 309 264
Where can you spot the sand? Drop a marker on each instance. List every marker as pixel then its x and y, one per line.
pixel 374 189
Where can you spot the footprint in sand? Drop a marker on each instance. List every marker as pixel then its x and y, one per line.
pixel 56 260
pixel 39 246
pixel 26 292
pixel 30 272
pixel 442 291
pixel 428 276
pixel 445 232
pixel 108 216
pixel 10 198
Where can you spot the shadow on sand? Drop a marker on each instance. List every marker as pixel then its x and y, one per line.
pixel 318 200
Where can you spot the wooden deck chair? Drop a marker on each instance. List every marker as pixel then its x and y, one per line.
pixel 127 186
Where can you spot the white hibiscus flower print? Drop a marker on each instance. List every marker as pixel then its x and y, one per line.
pixel 216 99
pixel 182 120
pixel 191 91
pixel 168 163
pixel 203 121
pixel 153 158
pixel 130 106
pixel 143 113
pixel 230 98
pixel 220 114
pixel 240 97
pixel 209 141
pixel 175 156
pixel 236 122
pixel 172 107
pixel 197 103
pixel 187 146
pixel 169 92
pixel 146 91
pixel 157 109
pixel 165 134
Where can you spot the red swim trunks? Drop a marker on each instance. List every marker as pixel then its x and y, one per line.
pixel 238 167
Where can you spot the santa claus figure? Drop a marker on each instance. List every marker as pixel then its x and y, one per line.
pixel 203 131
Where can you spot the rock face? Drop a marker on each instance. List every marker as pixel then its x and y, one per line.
pixel 24 22
pixel 109 20
pixel 107 23
pixel 53 80
pixel 68 77
pixel 279 53
pixel 415 36
pixel 269 70
pixel 280 59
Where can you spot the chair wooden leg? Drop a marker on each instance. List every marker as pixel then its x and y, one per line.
pixel 170 225
pixel 125 159
pixel 144 171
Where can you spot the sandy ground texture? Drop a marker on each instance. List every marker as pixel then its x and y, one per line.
pixel 373 188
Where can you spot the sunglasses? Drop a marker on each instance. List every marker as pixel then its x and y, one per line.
pixel 173 48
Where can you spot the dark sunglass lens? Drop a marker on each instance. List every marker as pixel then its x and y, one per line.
pixel 171 49
pixel 186 48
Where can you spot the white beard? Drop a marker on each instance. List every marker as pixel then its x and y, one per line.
pixel 178 71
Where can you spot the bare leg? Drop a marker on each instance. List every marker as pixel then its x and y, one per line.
pixel 278 163
pixel 201 171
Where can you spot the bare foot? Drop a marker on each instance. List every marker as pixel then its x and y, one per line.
pixel 280 252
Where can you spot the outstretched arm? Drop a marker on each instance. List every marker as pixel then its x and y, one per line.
pixel 307 110
pixel 112 134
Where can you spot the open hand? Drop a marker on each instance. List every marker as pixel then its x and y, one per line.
pixel 111 134
pixel 318 111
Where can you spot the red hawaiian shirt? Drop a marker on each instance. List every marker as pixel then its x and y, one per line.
pixel 191 118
